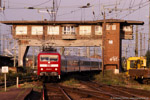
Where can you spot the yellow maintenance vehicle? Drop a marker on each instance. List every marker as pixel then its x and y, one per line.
pixel 137 69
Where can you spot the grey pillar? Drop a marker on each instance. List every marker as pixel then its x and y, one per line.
pixel 88 51
pixel 62 50
pixel 23 50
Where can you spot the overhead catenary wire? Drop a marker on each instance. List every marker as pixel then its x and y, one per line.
pixel 134 8
pixel 133 2
pixel 96 15
pixel 42 3
pixel 73 11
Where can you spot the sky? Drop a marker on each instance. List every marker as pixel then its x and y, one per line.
pixel 73 10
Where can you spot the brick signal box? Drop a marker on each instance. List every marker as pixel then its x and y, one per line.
pixel 74 33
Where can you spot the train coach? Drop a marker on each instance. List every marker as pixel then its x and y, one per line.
pixel 53 64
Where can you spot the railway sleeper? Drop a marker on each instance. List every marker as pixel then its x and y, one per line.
pixel 87 93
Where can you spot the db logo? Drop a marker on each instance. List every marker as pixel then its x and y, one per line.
pixel 48 69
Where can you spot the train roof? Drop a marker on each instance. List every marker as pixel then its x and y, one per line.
pixel 72 57
pixel 80 58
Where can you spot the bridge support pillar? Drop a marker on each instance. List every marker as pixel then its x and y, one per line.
pixel 23 50
pixel 88 52
pixel 62 50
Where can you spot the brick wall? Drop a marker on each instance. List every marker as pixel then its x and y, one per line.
pixel 112 46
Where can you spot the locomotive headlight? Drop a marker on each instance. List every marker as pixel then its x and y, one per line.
pixel 56 69
pixel 41 68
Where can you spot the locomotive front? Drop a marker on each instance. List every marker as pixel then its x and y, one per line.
pixel 49 64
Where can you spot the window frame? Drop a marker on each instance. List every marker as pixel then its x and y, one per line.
pixel 68 30
pixel 38 28
pixel 83 30
pixel 19 28
pixel 53 30
pixel 99 31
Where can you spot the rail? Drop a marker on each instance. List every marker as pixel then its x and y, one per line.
pixel 52 91
pixel 118 91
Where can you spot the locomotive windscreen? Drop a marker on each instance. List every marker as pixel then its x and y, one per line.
pixel 45 58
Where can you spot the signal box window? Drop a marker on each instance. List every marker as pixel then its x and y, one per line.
pixel 37 30
pixel 127 28
pixel 113 27
pixel 108 27
pixel 21 30
pixel 85 30
pixel 98 30
pixel 53 30
pixel 45 58
pixel 68 30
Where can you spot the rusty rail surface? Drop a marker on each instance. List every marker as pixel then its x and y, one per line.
pixel 118 91
pixel 86 94
pixel 55 91
pixel 52 91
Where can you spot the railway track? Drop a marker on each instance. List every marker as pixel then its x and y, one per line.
pixel 81 94
pixel 55 91
pixel 52 91
pixel 118 92
pixel 93 91
pixel 136 92
pixel 58 92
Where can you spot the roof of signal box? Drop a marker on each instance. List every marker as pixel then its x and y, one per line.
pixel 45 22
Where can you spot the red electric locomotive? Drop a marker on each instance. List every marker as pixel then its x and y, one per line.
pixel 49 64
